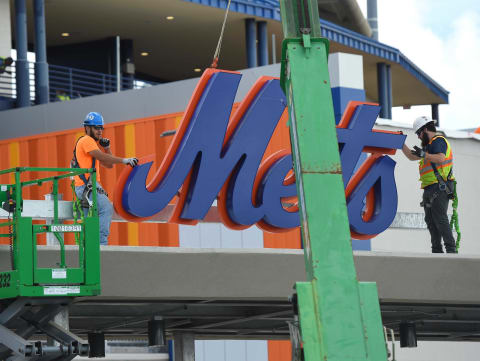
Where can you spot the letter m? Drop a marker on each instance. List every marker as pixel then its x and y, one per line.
pixel 208 152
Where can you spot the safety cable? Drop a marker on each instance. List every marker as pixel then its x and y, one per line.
pixel 77 210
pixel 216 56
pixel 10 230
pixel 454 219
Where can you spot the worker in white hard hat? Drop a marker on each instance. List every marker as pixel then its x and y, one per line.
pixel 435 167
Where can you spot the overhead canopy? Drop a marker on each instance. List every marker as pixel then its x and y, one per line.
pixel 176 47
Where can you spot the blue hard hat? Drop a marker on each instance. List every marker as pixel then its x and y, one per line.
pixel 93 118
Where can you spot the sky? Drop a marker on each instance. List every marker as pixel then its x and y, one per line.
pixel 442 37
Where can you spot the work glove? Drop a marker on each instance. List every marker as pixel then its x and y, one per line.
pixel 419 152
pixel 132 162
pixel 104 142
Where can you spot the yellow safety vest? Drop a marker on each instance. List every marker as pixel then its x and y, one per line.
pixel 63 97
pixel 3 66
pixel 427 175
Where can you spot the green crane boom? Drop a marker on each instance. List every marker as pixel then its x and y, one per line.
pixel 339 317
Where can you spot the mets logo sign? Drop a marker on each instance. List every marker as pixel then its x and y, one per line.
pixel 217 157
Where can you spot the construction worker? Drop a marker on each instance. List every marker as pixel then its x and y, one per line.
pixel 61 96
pixel 4 62
pixel 87 154
pixel 435 166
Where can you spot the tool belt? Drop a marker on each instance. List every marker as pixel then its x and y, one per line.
pixel 446 186
pixel 85 200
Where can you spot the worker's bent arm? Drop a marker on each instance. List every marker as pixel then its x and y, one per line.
pixel 435 158
pixel 107 160
pixel 408 153
pixel 108 151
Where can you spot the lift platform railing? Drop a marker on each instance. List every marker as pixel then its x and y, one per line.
pixel 26 278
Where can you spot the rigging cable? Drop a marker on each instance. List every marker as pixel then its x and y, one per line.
pixel 216 55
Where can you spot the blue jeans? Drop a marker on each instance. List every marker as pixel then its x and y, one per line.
pixel 105 213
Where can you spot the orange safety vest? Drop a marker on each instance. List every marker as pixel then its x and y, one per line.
pixel 427 175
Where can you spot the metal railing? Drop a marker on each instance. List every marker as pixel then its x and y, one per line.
pixel 7 82
pixel 68 83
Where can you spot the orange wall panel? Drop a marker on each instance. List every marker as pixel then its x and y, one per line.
pixel 139 137
pixel 279 350
pixel 290 239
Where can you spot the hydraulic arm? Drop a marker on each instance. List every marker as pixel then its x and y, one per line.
pixel 339 316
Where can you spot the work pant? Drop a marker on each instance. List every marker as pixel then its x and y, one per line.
pixel 435 204
pixel 105 213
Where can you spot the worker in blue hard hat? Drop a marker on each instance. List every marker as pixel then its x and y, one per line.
pixel 92 150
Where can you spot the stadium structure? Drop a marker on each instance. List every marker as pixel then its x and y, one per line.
pixel 206 291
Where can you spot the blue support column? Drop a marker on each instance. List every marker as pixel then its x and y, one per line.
pixel 21 64
pixel 435 114
pixel 41 65
pixel 372 17
pixel 384 90
pixel 262 43
pixel 251 42
pixel 389 91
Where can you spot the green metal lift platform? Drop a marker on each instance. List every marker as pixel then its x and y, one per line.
pixel 31 296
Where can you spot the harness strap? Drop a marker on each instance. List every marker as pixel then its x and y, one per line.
pixel 442 182
pixel 76 165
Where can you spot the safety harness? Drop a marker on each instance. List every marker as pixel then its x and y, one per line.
pixel 85 201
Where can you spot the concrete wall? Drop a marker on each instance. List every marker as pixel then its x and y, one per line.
pixel 231 350
pixel 215 235
pixel 439 351
pixel 130 104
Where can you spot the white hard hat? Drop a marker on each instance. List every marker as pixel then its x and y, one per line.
pixel 420 122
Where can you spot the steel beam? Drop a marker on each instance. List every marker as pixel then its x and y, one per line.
pixel 16 344
pixel 244 319
pixel 12 310
pixel 384 85
pixel 41 65
pixel 251 42
pixel 184 346
pixel 435 115
pixel 262 43
pixel 21 64
pixel 33 321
